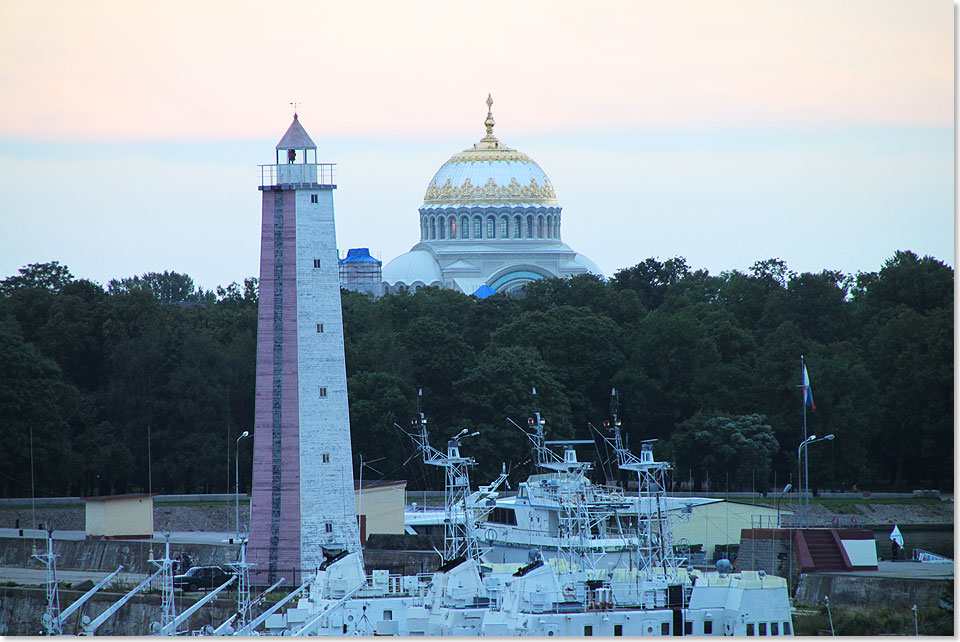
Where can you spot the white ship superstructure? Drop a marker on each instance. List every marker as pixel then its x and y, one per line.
pixel 566 594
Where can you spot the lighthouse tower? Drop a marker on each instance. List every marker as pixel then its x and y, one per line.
pixel 303 496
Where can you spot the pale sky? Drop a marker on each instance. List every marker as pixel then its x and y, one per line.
pixel 819 132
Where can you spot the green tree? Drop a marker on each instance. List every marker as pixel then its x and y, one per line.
pixel 921 284
pixel 168 287
pixel 682 361
pixel 583 350
pixel 377 402
pixel 51 277
pixel 651 279
pixel 33 403
pixel 499 387
pixel 911 357
pixel 438 356
pixel 740 446
pixel 817 303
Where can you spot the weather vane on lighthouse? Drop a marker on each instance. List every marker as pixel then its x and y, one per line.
pixel 296 106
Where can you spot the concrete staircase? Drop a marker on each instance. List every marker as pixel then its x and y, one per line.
pixel 819 549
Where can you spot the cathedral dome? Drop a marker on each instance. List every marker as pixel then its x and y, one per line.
pixel 490 220
pixel 415 268
pixel 489 173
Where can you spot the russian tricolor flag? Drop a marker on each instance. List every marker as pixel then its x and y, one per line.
pixel 807 392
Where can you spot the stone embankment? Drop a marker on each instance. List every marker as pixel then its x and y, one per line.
pixel 69 514
pixel 22 608
pixel 875 513
pixel 107 555
pixel 216 513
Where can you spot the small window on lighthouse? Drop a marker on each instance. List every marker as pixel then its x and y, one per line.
pixel 319 327
pixel 323 393
pixel 314 198
pixel 326 458
pixel 317 263
pixel 328 527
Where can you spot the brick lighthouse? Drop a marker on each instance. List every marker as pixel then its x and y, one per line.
pixel 303 497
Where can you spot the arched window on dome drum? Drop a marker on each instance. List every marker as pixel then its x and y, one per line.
pixel 540 226
pixel 491 227
pixel 443 227
pixel 433 228
pixel 530 234
pixel 549 227
pixel 504 227
pixel 423 229
pixel 464 227
pixel 453 227
pixel 477 228
pixel 517 227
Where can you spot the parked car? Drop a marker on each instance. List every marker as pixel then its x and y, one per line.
pixel 198 577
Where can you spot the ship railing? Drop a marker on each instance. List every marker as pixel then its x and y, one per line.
pixel 594 492
pixel 611 596
pixel 395 585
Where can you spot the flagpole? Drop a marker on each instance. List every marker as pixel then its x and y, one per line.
pixel 805 500
pixel 806 468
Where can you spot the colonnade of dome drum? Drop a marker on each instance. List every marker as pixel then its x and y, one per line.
pixel 501 226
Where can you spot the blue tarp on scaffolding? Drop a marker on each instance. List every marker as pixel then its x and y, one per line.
pixel 358 255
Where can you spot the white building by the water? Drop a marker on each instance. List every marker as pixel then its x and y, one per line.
pixel 490 222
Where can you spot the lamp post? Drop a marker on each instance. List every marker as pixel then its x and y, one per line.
pixel 805 485
pixel 236 494
pixel 786 489
pixel 826 602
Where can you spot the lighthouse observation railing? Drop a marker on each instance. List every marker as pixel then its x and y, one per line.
pixel 298 175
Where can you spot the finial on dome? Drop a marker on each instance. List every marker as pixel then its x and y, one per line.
pixel 489 122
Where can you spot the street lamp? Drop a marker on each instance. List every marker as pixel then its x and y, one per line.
pixel 786 489
pixel 805 485
pixel 236 494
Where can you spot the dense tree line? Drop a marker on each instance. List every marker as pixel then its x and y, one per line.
pixel 153 369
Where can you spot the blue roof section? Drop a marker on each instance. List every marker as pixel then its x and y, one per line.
pixel 484 291
pixel 359 255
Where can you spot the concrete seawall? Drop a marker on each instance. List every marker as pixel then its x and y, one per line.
pixel 878 592
pixel 22 608
pixel 170 513
pixel 107 555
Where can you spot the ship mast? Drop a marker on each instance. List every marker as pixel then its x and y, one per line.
pixel 654 532
pixel 459 539
pixel 52 619
pixel 581 509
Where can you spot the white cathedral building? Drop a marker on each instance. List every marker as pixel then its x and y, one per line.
pixel 490 222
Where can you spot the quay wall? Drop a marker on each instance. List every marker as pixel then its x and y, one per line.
pixel 773 554
pixel 177 513
pixel 216 512
pixel 22 608
pixel 878 592
pixel 107 555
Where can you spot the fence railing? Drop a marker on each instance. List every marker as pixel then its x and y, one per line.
pixel 817 521
pixel 308 174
